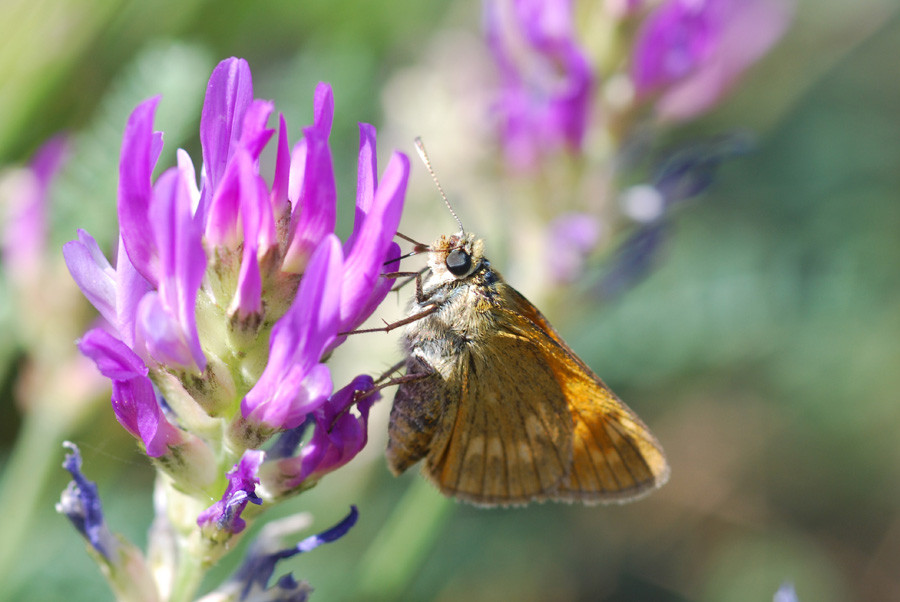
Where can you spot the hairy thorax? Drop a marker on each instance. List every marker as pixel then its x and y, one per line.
pixel 461 324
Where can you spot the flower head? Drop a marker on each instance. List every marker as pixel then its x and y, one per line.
pixel 226 300
pixel 241 245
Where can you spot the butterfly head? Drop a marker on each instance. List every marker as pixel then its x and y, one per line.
pixel 455 257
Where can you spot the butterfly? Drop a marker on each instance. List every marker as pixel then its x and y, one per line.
pixel 497 405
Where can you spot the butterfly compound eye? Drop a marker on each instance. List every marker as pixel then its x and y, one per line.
pixel 458 262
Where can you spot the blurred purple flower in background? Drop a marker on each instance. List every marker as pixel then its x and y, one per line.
pixel 24 238
pixel 786 593
pixel 572 237
pixel 678 176
pixel 691 52
pixel 545 90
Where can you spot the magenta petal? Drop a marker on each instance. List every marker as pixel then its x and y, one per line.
pixel 323 109
pixel 674 41
pixel 314 389
pixel 572 236
pixel 255 210
pixel 140 149
pixel 49 158
pixel 572 106
pixel 297 343
pixel 544 100
pixel 383 286
pixel 338 438
pixel 281 181
pixel 114 359
pixel 254 134
pixel 157 331
pixel 181 253
pixel 130 289
pixel 93 274
pixel 348 434
pixel 223 214
pixel 363 265
pixel 545 23
pixel 366 180
pixel 225 514
pixel 248 297
pixel 187 166
pixel 228 96
pixel 167 320
pixel 298 171
pixel 133 399
pixel 749 30
pixel 315 211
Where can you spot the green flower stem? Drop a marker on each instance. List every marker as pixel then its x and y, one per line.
pixel 401 546
pixel 188 575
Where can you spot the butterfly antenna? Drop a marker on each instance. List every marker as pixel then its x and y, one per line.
pixel 424 156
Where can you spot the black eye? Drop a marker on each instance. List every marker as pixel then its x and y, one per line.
pixel 458 262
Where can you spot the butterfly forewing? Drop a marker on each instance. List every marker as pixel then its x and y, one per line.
pixel 615 457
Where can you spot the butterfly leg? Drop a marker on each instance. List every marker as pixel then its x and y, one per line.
pixel 390 382
pixel 391 326
pixel 411 276
pixel 397 380
pixel 387 373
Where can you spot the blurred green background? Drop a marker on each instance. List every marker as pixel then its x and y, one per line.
pixel 764 349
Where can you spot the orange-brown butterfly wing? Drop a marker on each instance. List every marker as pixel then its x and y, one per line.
pixel 615 456
pixel 506 436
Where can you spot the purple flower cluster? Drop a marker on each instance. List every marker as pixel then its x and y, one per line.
pixel 691 52
pixel 686 55
pixel 227 297
pixel 546 85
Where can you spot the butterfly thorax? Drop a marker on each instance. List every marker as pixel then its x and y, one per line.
pixel 463 316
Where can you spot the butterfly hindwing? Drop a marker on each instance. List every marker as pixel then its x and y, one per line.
pixel 504 439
